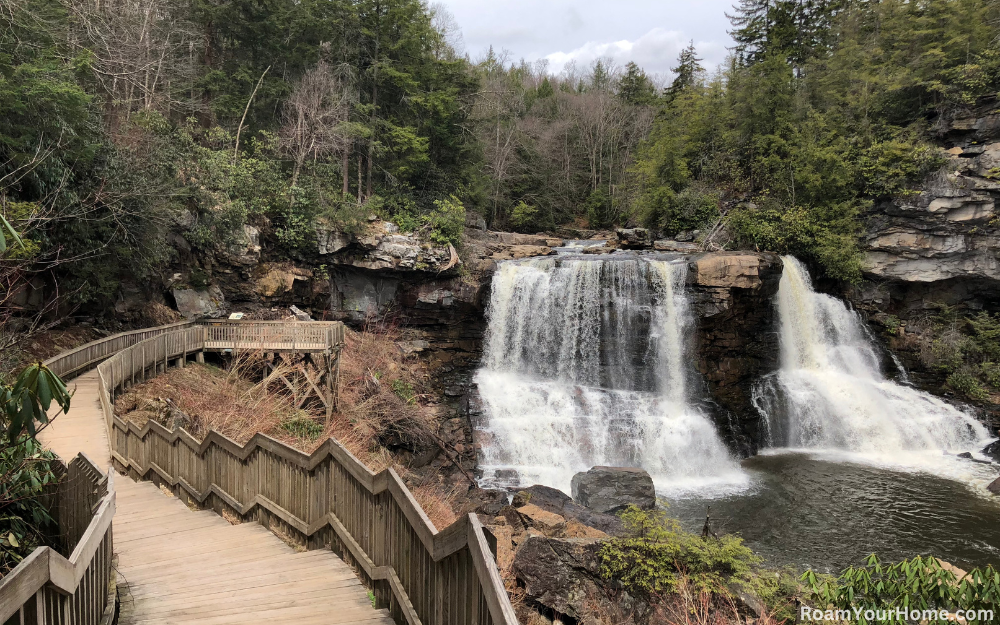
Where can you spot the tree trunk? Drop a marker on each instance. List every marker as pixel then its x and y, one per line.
pixel 345 164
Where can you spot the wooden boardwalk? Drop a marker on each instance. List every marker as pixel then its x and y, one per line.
pixel 177 565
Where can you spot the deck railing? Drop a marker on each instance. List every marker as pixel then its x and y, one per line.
pixel 49 587
pixel 422 575
pixel 87 356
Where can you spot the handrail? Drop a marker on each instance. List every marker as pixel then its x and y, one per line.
pixel 51 588
pixel 89 354
pixel 422 575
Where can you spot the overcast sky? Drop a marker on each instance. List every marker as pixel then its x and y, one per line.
pixel 649 32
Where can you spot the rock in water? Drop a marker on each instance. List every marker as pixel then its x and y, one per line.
pixel 994 487
pixel 611 489
pixel 993 451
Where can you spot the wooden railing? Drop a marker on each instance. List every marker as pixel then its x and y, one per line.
pixel 87 356
pixel 326 498
pixel 277 335
pixel 49 587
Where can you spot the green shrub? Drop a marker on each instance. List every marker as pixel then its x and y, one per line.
pixel 523 215
pixel 404 390
pixel 917 584
pixel 447 221
pixel 599 209
pixel 303 427
pixel 656 551
pixel 671 213
pixel 968 385
pixel 24 522
pixel 828 235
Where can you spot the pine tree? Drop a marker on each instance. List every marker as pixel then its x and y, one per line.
pixel 751 28
pixel 793 29
pixel 635 88
pixel 687 70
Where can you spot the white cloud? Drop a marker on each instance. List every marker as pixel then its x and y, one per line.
pixel 656 52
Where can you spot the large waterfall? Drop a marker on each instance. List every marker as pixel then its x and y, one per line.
pixel 585 365
pixel 830 393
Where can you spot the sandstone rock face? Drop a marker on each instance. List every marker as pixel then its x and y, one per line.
pixel 515 252
pixel 634 238
pixel 735 341
pixel 198 303
pixel 382 247
pixel 945 231
pixel 276 279
pixel 675 246
pixel 611 489
pixel 730 270
pixel 515 238
pixel 330 241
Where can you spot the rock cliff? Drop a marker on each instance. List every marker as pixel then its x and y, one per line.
pixel 736 340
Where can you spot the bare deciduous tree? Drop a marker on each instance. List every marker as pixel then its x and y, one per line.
pixel 315 117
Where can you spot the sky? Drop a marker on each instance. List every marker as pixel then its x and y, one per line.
pixel 649 32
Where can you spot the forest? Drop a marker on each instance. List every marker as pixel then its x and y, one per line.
pixel 122 116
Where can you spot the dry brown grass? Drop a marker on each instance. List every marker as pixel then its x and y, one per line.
pixel 380 404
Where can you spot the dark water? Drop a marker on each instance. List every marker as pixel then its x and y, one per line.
pixel 827 515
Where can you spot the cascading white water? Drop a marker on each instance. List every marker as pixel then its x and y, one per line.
pixel 583 366
pixel 830 393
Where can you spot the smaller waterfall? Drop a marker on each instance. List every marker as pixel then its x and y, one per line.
pixel 830 393
pixel 585 365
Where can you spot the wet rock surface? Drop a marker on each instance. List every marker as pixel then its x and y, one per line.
pixel 612 489
pixel 735 340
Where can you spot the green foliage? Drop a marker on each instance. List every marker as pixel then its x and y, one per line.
pixel 656 551
pixel 404 390
pixel 599 209
pixel 965 349
pixel 688 210
pixel 523 215
pixel 827 235
pixel 303 427
pixel 29 399
pixel 25 470
pixel 918 584
pixel 968 384
pixel 25 473
pixel 447 221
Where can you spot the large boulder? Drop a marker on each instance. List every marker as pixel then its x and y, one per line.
pixel 558 502
pixel 667 245
pixel 993 451
pixel 994 487
pixel 197 303
pixel 278 279
pixel 730 270
pixel 634 238
pixel 563 574
pixel 516 252
pixel 611 489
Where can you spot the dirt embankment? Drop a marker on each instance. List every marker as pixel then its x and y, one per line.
pixel 385 417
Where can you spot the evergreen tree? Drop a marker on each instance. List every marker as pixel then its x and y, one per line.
pixel 688 70
pixel 635 88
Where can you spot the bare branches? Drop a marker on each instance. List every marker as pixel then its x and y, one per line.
pixel 141 51
pixel 239 129
pixel 315 117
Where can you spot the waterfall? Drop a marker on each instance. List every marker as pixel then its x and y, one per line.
pixel 584 365
pixel 829 392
